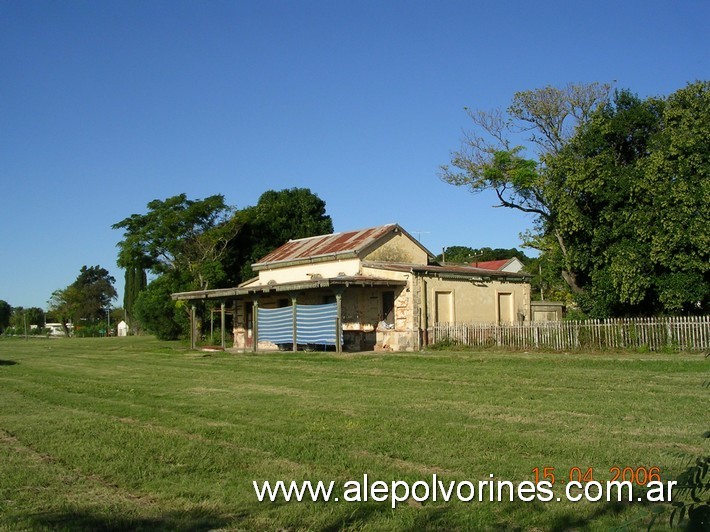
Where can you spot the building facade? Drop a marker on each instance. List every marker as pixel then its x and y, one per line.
pixel 375 288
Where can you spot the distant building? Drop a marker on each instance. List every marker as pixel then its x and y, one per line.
pixel 513 265
pixel 56 329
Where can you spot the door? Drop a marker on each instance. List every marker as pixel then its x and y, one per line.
pixel 505 308
pixel 444 309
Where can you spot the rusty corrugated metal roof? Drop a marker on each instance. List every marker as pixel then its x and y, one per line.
pixel 335 244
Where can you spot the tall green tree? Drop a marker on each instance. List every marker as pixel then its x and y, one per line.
pixel 95 287
pixel 179 235
pixel 5 313
pixel 157 312
pixel 35 316
pixel 278 216
pixel 88 297
pixel 633 198
pixel 182 242
pixel 620 197
pixel 136 281
pixel 491 156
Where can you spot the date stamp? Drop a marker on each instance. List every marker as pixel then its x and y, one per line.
pixel 640 476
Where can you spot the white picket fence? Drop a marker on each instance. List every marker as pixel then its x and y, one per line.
pixel 654 334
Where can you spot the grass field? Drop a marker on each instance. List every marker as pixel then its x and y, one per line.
pixel 132 433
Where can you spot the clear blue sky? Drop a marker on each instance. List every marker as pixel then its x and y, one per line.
pixel 107 105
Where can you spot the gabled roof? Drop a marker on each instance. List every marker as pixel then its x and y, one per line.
pixel 327 247
pixel 513 264
pixel 491 264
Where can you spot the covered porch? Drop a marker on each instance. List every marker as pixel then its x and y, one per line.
pixel 340 313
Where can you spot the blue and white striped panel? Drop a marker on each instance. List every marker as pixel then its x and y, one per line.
pixel 315 324
pixel 276 325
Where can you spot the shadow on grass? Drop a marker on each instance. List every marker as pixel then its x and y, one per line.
pixel 7 362
pixel 85 519
pixel 571 521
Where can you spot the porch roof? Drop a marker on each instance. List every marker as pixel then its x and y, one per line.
pixel 449 271
pixel 342 281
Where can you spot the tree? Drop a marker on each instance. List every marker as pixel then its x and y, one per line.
pixel 5 313
pixel 88 297
pixel 621 197
pixel 201 244
pixel 278 217
pixel 633 200
pixel 63 306
pixel 95 291
pixel 490 157
pixel 136 282
pixel 177 235
pixel 35 316
pixel 182 242
pixel 468 255
pixel 157 312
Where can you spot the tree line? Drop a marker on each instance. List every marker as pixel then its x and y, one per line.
pixel 185 244
pixel 618 187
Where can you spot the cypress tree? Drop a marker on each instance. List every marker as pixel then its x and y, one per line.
pixel 136 281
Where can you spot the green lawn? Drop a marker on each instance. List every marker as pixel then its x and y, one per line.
pixel 132 433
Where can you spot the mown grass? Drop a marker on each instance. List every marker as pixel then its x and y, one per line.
pixel 132 433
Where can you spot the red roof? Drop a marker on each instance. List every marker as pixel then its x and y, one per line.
pixel 490 264
pixel 336 244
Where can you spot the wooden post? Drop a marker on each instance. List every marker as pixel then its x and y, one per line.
pixel 193 327
pixel 295 323
pixel 223 324
pixel 425 317
pixel 255 317
pixel 338 320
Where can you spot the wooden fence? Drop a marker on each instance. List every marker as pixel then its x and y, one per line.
pixel 654 334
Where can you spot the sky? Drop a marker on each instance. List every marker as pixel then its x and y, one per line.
pixel 105 106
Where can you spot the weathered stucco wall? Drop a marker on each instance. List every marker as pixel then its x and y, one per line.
pixel 397 248
pixel 469 301
pixel 304 272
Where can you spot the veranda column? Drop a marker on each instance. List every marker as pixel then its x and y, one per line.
pixel 223 324
pixel 339 320
pixel 295 323
pixel 193 325
pixel 255 340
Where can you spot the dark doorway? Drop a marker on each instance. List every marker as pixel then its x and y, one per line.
pixel 388 306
